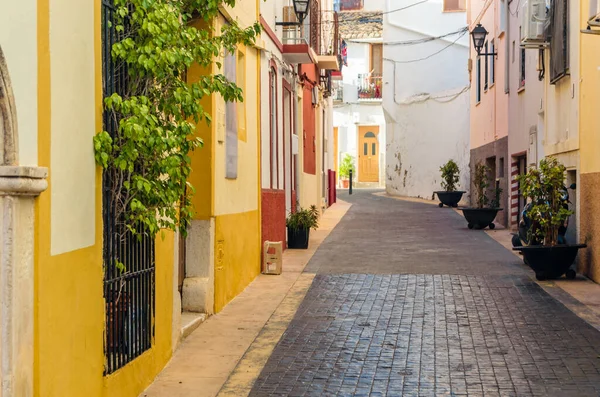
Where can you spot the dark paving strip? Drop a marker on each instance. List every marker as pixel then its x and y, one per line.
pixel 426 335
pixel 380 235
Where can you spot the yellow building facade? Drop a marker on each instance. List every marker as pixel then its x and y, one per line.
pixel 590 144
pixel 51 96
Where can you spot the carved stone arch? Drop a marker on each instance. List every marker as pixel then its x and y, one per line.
pixel 8 118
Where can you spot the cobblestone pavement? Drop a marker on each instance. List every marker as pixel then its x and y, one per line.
pixel 403 327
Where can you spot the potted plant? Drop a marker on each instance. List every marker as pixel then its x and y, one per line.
pixel 549 214
pixel 299 224
pixel 484 214
pixel 450 175
pixel 345 167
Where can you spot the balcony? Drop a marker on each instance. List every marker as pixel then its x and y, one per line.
pixel 315 41
pixel 370 88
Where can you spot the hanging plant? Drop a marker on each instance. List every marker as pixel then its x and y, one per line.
pixel 146 157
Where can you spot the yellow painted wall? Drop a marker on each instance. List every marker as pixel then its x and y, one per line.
pixel 590 98
pixel 68 291
pixel 237 254
pixel 236 201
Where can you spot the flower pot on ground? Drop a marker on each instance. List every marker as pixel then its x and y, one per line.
pixel 299 224
pixel 346 166
pixel 549 215
pixel 450 175
pixel 484 214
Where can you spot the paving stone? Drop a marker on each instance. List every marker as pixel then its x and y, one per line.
pixel 404 320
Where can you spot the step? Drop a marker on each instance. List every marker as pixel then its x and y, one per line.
pixel 190 321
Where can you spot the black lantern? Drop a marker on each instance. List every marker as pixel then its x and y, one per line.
pixel 479 34
pixel 301 9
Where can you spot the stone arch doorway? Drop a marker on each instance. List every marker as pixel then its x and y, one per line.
pixel 19 186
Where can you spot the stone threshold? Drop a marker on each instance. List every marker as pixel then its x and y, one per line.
pixel 190 321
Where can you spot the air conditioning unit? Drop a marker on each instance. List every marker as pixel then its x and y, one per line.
pixel 534 14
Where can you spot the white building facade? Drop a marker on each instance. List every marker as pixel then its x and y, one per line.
pixel 425 95
pixel 359 124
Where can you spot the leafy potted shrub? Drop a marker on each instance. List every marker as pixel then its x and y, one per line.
pixel 549 213
pixel 450 175
pixel 299 224
pixel 484 214
pixel 345 167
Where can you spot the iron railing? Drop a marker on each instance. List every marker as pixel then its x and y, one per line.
pixel 129 278
pixel 370 87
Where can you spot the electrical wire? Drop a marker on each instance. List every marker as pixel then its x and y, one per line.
pixel 514 14
pixel 415 41
pixel 430 55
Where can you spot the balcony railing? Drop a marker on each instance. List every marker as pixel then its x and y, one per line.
pixel 370 87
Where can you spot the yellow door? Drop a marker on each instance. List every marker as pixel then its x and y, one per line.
pixel 368 154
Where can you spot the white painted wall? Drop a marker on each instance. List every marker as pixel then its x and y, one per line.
pixel 18 39
pixel 426 102
pixel 351 114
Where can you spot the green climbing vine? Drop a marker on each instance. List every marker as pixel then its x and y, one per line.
pixel 147 157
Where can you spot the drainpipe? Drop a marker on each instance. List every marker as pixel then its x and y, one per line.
pixel 507 50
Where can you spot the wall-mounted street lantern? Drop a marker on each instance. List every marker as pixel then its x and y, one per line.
pixel 301 9
pixel 479 34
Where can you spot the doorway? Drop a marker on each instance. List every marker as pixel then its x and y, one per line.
pixel 368 154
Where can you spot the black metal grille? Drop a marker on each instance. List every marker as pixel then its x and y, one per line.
pixel 129 279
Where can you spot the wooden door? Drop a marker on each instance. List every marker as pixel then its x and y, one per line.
pixel 368 154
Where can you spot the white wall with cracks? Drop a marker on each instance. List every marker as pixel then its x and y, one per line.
pixel 425 97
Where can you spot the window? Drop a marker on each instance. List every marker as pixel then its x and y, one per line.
pixel 503 15
pixel 455 5
pixel 350 5
pixel 231 125
pixel 273 128
pixel 373 149
pixel 521 63
pixel 493 65
pixel 559 45
pixel 128 258
pixel 366 149
pixel 478 81
pixel 376 59
pixel 241 82
pixel 486 68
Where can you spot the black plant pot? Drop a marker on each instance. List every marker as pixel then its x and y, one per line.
pixel 549 262
pixel 480 218
pixel 298 238
pixel 449 199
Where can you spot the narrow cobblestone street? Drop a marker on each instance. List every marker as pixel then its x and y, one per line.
pixel 408 302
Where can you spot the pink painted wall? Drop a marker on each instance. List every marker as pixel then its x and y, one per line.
pixel 488 125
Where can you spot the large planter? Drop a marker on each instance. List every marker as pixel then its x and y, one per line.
pixel 549 262
pixel 449 199
pixel 480 218
pixel 298 238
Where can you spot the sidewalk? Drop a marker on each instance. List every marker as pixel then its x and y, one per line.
pixel 258 316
